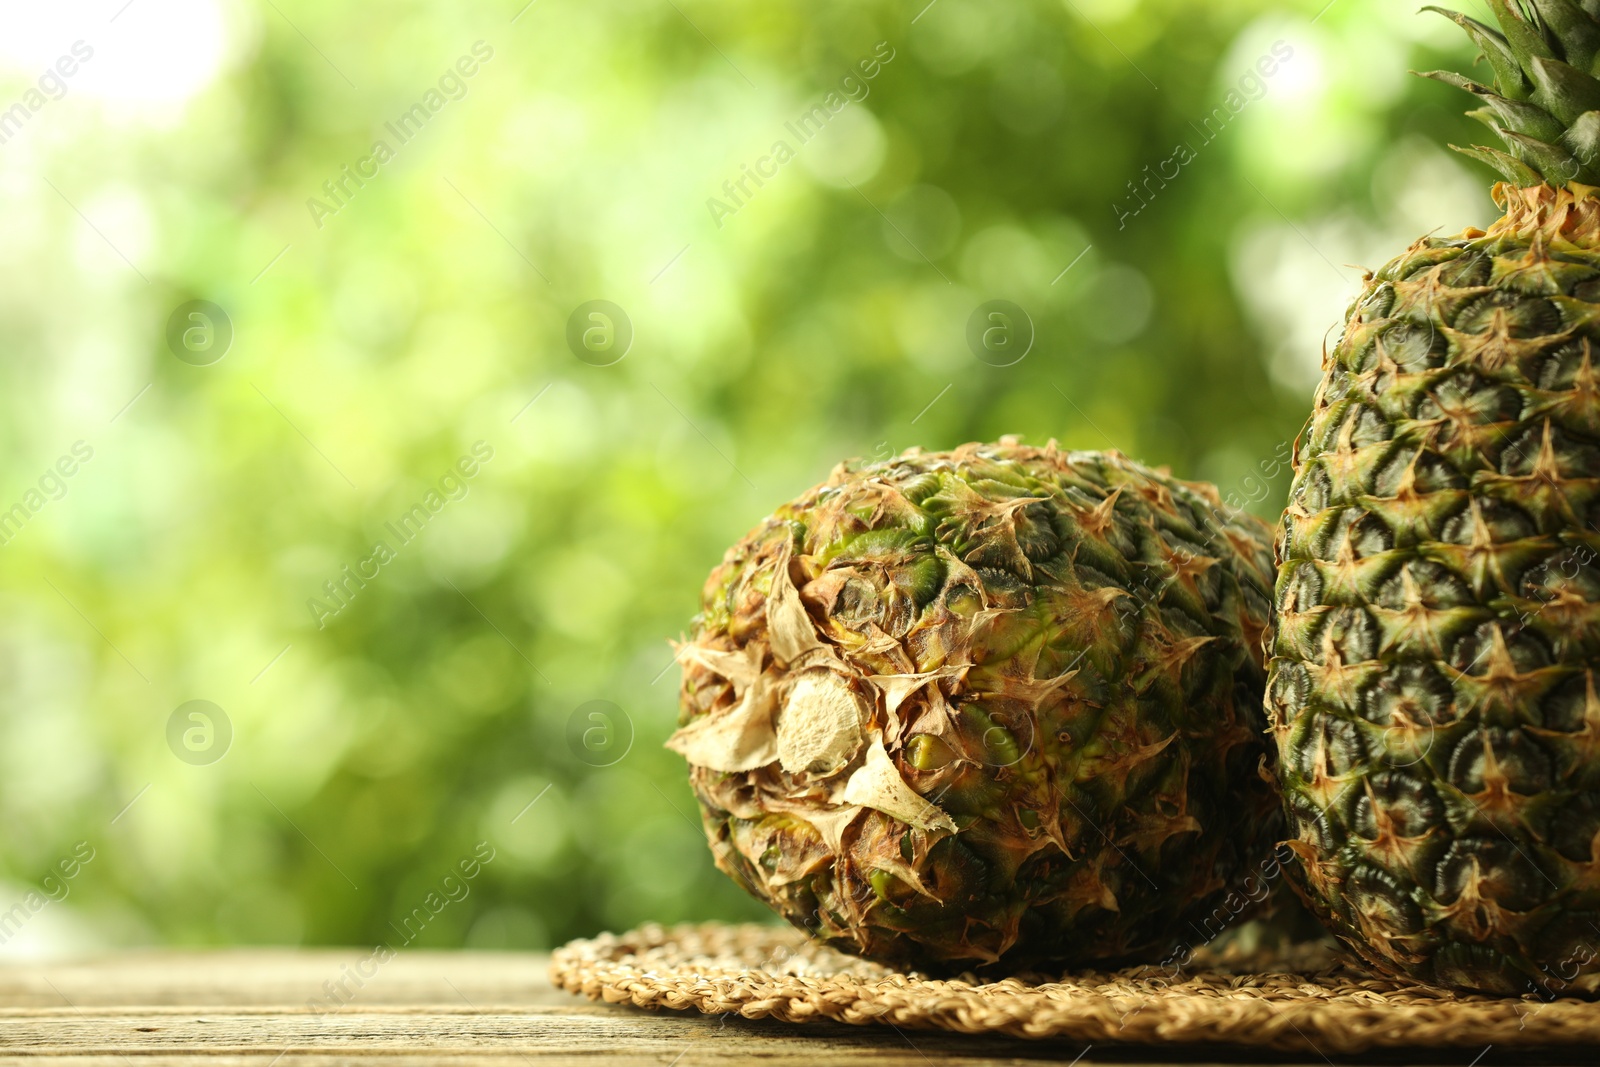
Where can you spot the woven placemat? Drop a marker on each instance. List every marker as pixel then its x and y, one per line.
pixel 1307 1003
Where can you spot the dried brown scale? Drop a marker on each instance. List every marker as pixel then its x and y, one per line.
pixel 995 706
pixel 1433 672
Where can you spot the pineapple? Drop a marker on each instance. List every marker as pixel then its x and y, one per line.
pixel 1433 683
pixel 996 706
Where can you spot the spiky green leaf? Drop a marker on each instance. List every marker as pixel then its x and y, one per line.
pixel 1524 38
pixel 1508 166
pixel 1508 76
pixel 1525 118
pixel 1576 32
pixel 1583 141
pixel 1551 161
pixel 1546 58
pixel 1564 91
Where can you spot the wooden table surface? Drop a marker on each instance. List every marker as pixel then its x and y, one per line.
pixel 271 1007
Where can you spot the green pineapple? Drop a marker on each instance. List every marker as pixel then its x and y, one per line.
pixel 1432 670
pixel 993 706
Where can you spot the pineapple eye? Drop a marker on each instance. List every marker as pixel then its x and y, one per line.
pixel 1337 386
pixel 963 600
pixel 1036 533
pixel 1005 589
pixel 920 488
pixel 1312 824
pixel 1476 652
pixel 1354 634
pixel 1429 473
pixel 1503 522
pixel 1291 686
pixel 1572 833
pixel 1386 902
pixel 1518 314
pixel 1329 429
pixel 899 612
pixel 1410 696
pixel 1431 584
pixel 1575 458
pixel 1367 426
pixel 889 889
pixel 1354 530
pixel 1369 536
pixel 1412 346
pixel 1284 538
pixel 857 603
pixel 922 578
pixel 1570 571
pixel 958 874
pixel 928 753
pixel 1467 397
pixel 1376 302
pixel 1469 269
pixel 1312 487
pixel 1560 369
pixel 1564 708
pixel 1409 804
pixel 989 739
pixel 1327 746
pixel 867 544
pixel 1490 868
pixel 1490 756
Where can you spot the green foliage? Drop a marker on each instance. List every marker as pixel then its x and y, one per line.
pixel 824 318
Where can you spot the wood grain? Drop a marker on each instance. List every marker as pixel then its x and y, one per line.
pixel 269 1008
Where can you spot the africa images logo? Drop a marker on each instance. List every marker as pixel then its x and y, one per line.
pixel 342 590
pixel 452 85
pixel 853 88
pixel 1251 86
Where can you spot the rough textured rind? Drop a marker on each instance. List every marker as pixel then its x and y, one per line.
pixel 1433 670
pixel 1056 660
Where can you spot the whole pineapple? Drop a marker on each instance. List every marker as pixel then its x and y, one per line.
pixel 1433 665
pixel 996 705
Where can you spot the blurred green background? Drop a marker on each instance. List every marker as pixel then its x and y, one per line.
pixel 825 317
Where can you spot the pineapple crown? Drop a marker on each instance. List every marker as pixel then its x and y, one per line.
pixel 1545 101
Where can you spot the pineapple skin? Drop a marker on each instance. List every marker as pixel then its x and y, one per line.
pixel 1060 653
pixel 1432 667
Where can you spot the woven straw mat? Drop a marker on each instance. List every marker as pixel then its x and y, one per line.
pixel 1312 1003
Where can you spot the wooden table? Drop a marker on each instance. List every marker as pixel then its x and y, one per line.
pixel 272 1008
